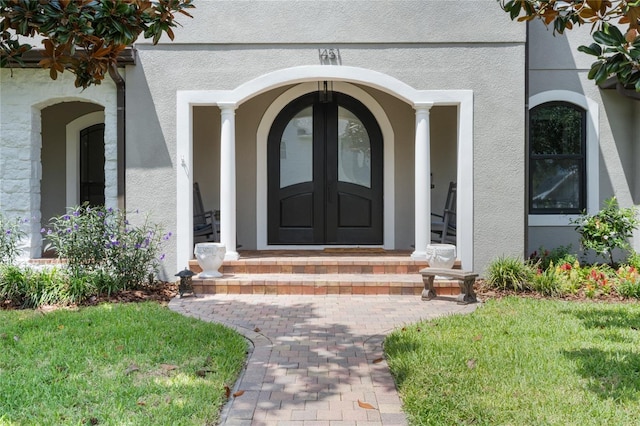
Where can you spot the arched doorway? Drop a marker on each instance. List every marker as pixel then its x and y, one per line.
pixel 325 173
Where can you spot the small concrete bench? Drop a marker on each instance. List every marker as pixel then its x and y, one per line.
pixel 466 279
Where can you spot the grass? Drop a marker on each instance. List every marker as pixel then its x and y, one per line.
pixel 521 361
pixel 114 364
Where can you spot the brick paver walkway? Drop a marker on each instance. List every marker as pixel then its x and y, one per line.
pixel 316 360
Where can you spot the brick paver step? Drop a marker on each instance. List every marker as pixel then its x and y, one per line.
pixel 366 284
pixel 321 265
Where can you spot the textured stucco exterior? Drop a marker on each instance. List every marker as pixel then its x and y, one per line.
pixel 419 44
pixel 248 42
pixel 555 64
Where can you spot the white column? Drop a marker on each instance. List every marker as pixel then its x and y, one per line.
pixel 422 181
pixel 228 180
pixel 184 181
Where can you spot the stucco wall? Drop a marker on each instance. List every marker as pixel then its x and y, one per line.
pixel 556 64
pixel 22 97
pixel 424 44
pixel 230 43
pixel 346 21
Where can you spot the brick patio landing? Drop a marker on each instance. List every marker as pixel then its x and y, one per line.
pixel 346 271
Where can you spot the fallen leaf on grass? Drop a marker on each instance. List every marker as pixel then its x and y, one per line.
pixel 471 364
pixel 142 403
pixel 378 360
pixel 477 338
pixel 168 367
pixel 131 369
pixel 366 405
pixel 3 336
pixel 239 393
pixel 16 338
pixel 227 391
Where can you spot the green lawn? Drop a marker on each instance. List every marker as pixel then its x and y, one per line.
pixel 521 361
pixel 114 364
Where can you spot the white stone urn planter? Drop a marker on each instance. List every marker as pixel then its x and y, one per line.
pixel 210 257
pixel 441 255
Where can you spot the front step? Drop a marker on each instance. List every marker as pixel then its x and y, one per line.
pixel 320 284
pixel 319 273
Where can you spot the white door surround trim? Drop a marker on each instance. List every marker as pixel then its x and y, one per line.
pixel 73 153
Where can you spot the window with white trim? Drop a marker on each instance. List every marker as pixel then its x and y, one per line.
pixel 557 158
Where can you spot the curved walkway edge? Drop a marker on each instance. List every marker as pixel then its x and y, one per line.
pixel 315 360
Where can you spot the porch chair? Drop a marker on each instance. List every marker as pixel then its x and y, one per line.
pixel 443 227
pixel 205 223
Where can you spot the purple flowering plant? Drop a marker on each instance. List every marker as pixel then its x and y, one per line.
pixel 102 239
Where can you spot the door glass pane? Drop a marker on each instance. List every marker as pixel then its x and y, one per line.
pixel 296 149
pixel 354 150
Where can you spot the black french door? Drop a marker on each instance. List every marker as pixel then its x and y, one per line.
pixel 325 156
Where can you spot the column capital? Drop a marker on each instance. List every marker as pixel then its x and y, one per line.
pixel 227 106
pixel 422 106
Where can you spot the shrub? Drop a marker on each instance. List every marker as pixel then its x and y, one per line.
pixel 570 276
pixel 78 237
pixel 13 280
pixel 509 273
pixel 559 255
pixel 103 243
pixel 628 282
pixel 608 229
pixel 598 281
pixel 33 287
pixel 634 260
pixel 11 233
pixel 546 282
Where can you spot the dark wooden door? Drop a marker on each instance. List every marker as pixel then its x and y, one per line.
pixel 325 173
pixel 92 165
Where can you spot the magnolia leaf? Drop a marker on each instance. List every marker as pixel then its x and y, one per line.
pixel 239 393
pixel 227 391
pixel 596 5
pixel 366 405
pixel 378 360
pixel 593 49
pixel 257 330
pixel 471 363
